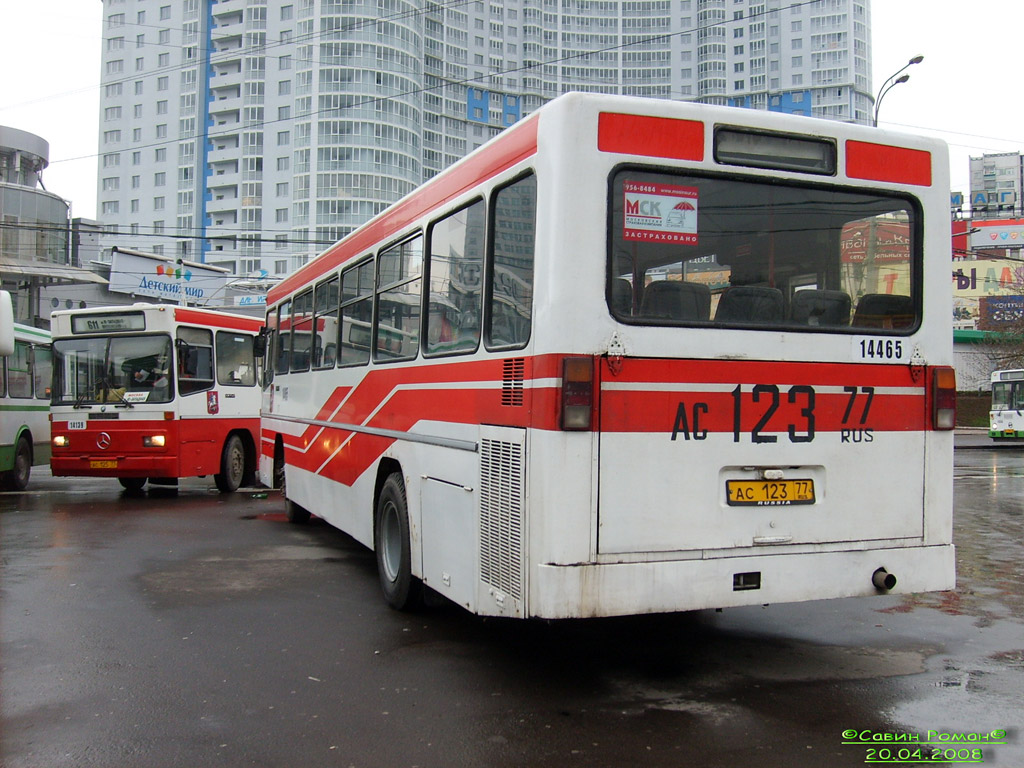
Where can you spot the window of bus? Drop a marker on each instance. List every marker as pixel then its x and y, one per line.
pixel 283 337
pixel 302 331
pixel 42 371
pixel 356 315
pixel 514 213
pixel 195 360
pixel 19 371
pixel 1008 396
pixel 325 323
pixel 112 369
pixel 737 252
pixel 455 271
pixel 236 361
pixel 398 301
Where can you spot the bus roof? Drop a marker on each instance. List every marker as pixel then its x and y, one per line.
pixel 644 127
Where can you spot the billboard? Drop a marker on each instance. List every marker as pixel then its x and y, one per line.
pixel 148 274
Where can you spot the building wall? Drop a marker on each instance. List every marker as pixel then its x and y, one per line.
pixel 251 134
pixel 997 182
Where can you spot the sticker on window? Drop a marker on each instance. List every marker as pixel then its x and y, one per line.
pixel 663 213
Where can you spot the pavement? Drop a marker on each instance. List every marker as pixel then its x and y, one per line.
pixel 977 437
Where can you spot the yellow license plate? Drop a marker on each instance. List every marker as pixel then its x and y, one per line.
pixel 769 493
pixel 104 464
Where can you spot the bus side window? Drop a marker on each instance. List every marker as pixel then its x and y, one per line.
pixel 511 295
pixel 302 330
pixel 398 301
pixel 325 323
pixel 455 271
pixel 236 362
pixel 19 371
pixel 356 315
pixel 42 371
pixel 283 338
pixel 195 360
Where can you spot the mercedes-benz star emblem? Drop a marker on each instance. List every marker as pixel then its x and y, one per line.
pixel 103 441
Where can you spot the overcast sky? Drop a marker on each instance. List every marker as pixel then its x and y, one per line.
pixel 961 92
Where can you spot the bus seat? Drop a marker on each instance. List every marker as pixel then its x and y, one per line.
pixel 676 300
pixel 622 297
pixel 884 310
pixel 757 304
pixel 820 307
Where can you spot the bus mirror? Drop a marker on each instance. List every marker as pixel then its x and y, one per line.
pixel 259 344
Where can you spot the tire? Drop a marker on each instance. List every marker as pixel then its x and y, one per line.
pixel 232 466
pixel 401 590
pixel 132 483
pixel 295 513
pixel 17 478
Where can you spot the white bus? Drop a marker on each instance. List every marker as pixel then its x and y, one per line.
pixel 157 393
pixel 24 398
pixel 1006 416
pixel 687 357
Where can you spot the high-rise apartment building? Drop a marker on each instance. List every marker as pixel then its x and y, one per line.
pixel 997 186
pixel 252 133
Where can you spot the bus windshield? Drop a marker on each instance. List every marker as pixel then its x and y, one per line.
pixel 1008 396
pixel 724 251
pixel 119 369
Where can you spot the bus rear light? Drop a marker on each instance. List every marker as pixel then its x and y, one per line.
pixel 943 398
pixel 577 393
pixel 153 441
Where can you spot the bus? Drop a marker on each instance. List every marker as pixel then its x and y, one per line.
pixel 687 357
pixel 24 398
pixel 1006 416
pixel 156 392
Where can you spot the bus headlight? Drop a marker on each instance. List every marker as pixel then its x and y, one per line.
pixel 60 441
pixel 153 441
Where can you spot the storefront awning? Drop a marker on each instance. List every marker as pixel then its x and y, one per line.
pixel 55 272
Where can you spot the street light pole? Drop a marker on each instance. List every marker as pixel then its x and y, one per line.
pixel 891 82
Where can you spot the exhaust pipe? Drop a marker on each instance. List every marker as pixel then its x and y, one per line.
pixel 882 579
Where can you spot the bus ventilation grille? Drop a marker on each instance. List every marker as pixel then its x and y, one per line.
pixel 501 516
pixel 512 381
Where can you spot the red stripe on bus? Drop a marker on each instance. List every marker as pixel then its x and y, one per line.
pixel 650 136
pixel 399 398
pixel 218 319
pixel 881 162
pixel 511 147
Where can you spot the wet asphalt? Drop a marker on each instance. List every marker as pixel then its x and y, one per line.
pixel 196 629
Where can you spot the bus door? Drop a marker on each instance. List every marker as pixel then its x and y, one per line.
pixel 198 400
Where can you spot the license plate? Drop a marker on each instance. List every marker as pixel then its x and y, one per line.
pixel 769 493
pixel 104 464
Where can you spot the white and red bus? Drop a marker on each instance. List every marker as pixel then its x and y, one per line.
pixel 634 356
pixel 155 392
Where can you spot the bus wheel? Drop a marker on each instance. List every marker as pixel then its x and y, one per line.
pixel 232 466
pixel 295 513
pixel 393 549
pixel 17 478
pixel 132 483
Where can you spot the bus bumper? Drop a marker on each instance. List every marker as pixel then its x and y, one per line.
pixel 114 466
pixel 616 589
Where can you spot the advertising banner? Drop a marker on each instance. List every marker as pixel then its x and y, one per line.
pixel 664 213
pixel 154 276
